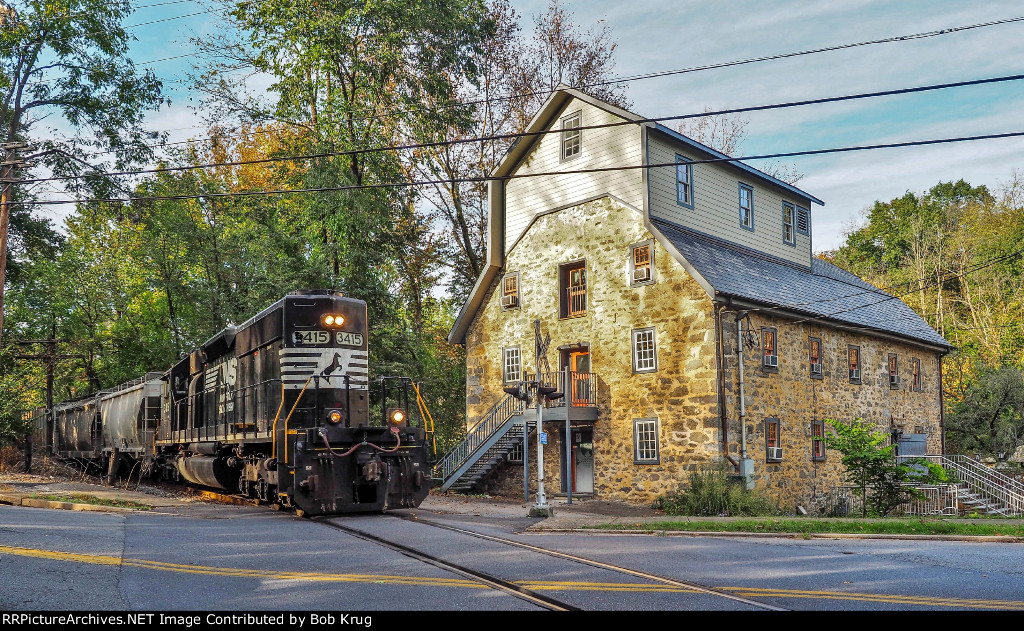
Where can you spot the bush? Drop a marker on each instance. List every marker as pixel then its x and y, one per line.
pixel 712 492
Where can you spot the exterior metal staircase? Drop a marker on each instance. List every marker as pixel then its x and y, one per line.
pixel 981 489
pixel 486 445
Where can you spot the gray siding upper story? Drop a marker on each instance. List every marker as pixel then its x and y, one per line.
pixel 716 192
pixel 526 197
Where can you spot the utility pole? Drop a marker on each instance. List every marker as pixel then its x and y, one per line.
pixel 50 357
pixel 7 169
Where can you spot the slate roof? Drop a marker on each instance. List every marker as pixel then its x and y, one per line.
pixel 824 290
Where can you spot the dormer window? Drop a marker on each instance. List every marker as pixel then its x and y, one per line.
pixel 788 228
pixel 571 135
pixel 641 264
pixel 747 206
pixel 510 291
pixel 684 182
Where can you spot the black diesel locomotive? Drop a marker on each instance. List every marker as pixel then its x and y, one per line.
pixel 278 409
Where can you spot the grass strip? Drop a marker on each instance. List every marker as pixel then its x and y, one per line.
pixel 829 526
pixel 84 498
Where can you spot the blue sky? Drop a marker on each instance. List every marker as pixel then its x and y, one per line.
pixel 657 35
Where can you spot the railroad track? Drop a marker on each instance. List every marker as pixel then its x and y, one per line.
pixel 519 591
pixel 489 580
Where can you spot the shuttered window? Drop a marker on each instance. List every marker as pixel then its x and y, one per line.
pixel 803 221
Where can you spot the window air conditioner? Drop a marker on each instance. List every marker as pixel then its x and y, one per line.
pixel 641 273
pixel 855 373
pixel 509 301
pixel 894 380
pixel 775 453
pixel 771 361
pixel 816 369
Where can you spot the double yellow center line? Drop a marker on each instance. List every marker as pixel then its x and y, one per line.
pixel 426 581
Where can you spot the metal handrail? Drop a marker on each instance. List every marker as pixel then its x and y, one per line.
pixel 475 437
pixel 576 300
pixel 582 391
pixel 980 478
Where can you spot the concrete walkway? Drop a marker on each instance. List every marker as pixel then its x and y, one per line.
pixel 581 515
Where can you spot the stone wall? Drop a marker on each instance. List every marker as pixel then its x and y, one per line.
pixel 791 395
pixel 681 394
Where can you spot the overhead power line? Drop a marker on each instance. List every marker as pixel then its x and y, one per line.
pixel 410 183
pixel 536 134
pixel 665 73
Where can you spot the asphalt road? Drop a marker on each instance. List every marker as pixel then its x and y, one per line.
pixel 231 558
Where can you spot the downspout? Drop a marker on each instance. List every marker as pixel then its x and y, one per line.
pixel 942 412
pixel 743 402
pixel 720 361
pixel 746 464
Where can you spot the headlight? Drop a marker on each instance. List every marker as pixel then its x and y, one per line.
pixel 396 416
pixel 334 320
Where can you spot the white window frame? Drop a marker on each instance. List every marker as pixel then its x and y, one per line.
pixel 749 208
pixel 572 137
pixel 788 224
pixel 644 359
pixel 646 441
pixel 684 184
pixel 511 372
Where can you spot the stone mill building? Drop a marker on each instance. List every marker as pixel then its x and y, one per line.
pixel 623 288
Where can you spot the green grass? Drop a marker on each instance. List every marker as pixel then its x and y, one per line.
pixel 84 498
pixel 837 526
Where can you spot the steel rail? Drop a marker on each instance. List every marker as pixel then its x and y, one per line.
pixel 491 581
pixel 598 564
